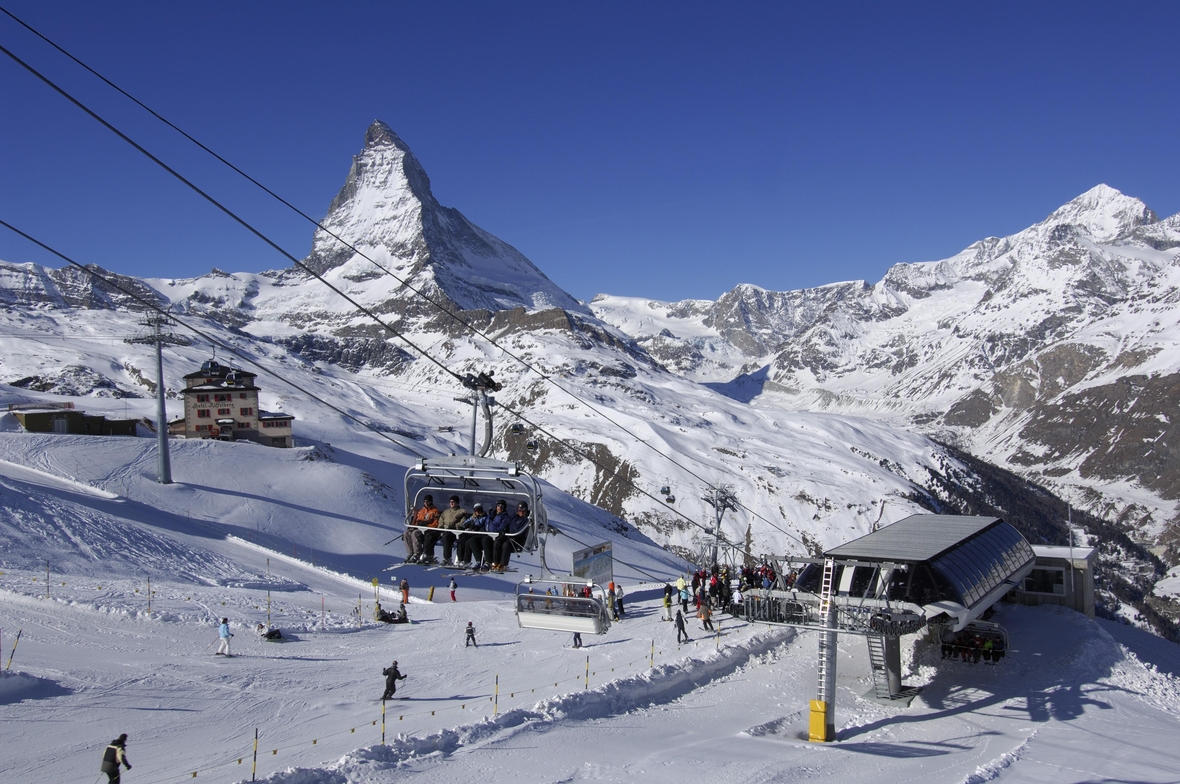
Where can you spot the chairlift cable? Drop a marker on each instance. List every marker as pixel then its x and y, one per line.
pixel 233 215
pixel 213 340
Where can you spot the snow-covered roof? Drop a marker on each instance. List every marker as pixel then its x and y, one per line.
pixel 1062 552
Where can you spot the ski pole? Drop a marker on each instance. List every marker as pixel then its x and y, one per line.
pixel 18 634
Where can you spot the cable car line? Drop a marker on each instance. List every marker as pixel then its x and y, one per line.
pixel 233 215
pixel 361 308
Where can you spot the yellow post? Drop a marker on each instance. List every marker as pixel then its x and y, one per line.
pixel 496 698
pixel 430 596
pixel 254 764
pixel 820 727
pixel 382 722
pixel 587 671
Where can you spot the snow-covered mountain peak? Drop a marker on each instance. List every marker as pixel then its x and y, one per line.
pixel 386 211
pixel 1102 212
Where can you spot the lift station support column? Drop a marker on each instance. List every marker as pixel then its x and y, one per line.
pixel 822 725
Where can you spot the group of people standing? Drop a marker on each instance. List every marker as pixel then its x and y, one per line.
pixel 470 540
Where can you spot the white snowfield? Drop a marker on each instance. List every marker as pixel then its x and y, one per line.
pixel 1074 701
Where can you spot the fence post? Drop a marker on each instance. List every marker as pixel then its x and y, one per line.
pixel 587 671
pixel 18 634
pixel 653 654
pixel 496 697
pixel 254 765
pixel 382 722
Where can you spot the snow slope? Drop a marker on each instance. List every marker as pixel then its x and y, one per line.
pixel 306 530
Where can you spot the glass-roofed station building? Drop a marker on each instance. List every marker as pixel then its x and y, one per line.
pixel 935 572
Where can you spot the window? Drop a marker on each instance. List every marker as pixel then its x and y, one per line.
pixel 1046 579
pixel 203 413
pixel 202 428
pixel 223 398
pixel 202 398
pixel 242 395
pixel 223 411
pixel 246 411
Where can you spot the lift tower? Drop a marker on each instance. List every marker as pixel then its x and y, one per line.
pixel 157 322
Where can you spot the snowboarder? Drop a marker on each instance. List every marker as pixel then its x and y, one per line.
pixel 392 676
pixel 619 599
pixel 614 604
pixel 453 586
pixel 667 604
pixel 224 633
pixel 470 636
pixel 681 634
pixel 577 639
pixel 114 756
pixel 404 586
pixel 381 614
pixel 401 615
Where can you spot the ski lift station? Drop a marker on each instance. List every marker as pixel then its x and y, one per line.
pixel 938 573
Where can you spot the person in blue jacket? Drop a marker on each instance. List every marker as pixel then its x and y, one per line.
pixel 498 526
pixel 513 538
pixel 224 633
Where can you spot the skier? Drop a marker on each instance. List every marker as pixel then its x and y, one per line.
pixel 392 676
pixel 681 634
pixel 470 636
pixel 224 633
pixel 706 617
pixel 577 639
pixel 114 756
pixel 404 585
pixel 453 586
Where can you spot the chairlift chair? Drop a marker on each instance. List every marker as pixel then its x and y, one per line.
pixel 476 480
pixel 557 612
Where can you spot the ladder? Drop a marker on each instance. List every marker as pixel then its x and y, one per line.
pixel 822 721
pixel 877 665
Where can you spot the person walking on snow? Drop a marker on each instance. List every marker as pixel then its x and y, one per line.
pixel 681 634
pixel 667 604
pixel 619 599
pixel 392 676
pixel 453 586
pixel 577 639
pixel 114 756
pixel 470 636
pixel 405 589
pixel 224 633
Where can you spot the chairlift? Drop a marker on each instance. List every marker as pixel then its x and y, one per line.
pixel 475 480
pixel 561 606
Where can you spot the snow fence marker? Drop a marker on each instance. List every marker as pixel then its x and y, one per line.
pixel 18 634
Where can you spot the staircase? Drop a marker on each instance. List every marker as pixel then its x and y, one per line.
pixel 877 665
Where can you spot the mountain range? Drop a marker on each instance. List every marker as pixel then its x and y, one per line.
pixel 1049 355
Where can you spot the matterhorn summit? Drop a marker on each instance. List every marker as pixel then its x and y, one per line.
pixel 386 212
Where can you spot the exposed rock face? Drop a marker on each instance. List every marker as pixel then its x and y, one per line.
pixel 1006 349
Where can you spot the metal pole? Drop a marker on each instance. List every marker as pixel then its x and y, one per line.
pixel 474 418
pixel 254 766
pixel 165 466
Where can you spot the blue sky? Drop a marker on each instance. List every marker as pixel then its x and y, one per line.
pixel 664 150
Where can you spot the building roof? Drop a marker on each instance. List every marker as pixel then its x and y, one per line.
pixel 1063 552
pixel 274 415
pixel 914 539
